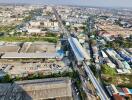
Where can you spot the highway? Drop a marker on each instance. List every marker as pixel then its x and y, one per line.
pixel 100 91
pixel 62 27
pixel 78 52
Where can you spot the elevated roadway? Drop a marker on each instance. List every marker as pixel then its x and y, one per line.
pixel 82 56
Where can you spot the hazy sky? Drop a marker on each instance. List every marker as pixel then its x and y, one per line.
pixel 106 3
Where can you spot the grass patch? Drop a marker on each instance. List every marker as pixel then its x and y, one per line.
pixel 29 39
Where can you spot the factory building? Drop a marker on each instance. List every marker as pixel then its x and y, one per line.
pixel 41 89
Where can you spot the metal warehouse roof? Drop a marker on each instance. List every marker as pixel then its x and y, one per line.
pixel 124 56
pixel 80 53
pixel 14 55
pixel 37 89
pixel 104 54
pixel 120 64
pixel 126 65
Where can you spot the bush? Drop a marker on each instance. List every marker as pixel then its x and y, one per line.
pixel 6 79
pixel 108 70
pixel 48 34
pixel 30 39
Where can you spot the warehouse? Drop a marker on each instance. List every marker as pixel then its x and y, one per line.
pixel 41 89
pixel 126 65
pixel 15 55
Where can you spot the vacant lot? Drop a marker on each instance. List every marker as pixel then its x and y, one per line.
pixel 118 80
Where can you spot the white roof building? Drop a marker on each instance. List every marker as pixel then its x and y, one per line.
pixel 15 55
pixel 34 30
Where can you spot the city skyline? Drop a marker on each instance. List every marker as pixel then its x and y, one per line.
pixel 96 3
pixel 65 50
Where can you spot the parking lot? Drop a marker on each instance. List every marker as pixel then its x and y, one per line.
pixel 24 69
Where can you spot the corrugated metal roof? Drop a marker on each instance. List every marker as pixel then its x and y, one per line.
pixel 103 54
pixel 126 65
pixel 14 55
pixel 114 88
pixel 110 64
pixel 78 50
pixel 75 50
pixel 130 91
pixel 37 89
pixel 124 56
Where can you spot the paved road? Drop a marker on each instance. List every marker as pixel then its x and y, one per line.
pixel 100 91
pixel 75 92
pixel 63 29
pixel 96 84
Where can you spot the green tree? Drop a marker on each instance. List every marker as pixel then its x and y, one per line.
pixel 6 78
pixel 108 70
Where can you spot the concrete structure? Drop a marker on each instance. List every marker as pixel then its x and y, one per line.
pixel 15 55
pixel 82 56
pixel 78 50
pixel 98 87
pixel 42 89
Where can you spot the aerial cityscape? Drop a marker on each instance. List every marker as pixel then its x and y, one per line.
pixel 65 51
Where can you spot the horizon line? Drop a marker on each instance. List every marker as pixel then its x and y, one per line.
pixel 16 3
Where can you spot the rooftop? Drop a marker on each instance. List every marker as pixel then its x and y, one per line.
pixel 37 89
pixel 15 55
